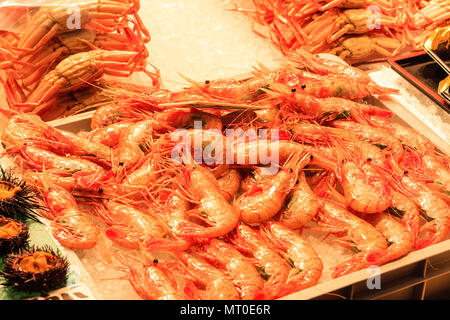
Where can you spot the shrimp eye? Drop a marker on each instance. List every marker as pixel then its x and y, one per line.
pixel 207 82
pixel 120 163
pixel 405 172
pixel 369 159
pixel 100 190
pixel 311 157
pixel 155 261
pixel 303 86
pixel 293 89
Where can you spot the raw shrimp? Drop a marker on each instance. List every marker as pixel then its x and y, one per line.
pixel 213 208
pixel 28 129
pixel 400 241
pixel 404 208
pixel 217 285
pixel 321 137
pixel 306 265
pixel 86 148
pixel 262 202
pixel 134 141
pixel 271 266
pixel 323 108
pixel 69 225
pixel 302 204
pixel 389 144
pixel 229 183
pixel 408 136
pixel 108 135
pixel 153 282
pixel 77 70
pixel 366 187
pixel 40 159
pixel 146 174
pixel 130 227
pixel 230 89
pixel 307 60
pixel 112 113
pixel 325 86
pixel 432 208
pixel 80 183
pixel 175 211
pixel 427 167
pixel 355 233
pixel 240 268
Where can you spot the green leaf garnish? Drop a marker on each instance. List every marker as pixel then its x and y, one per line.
pixel 263 273
pixel 396 212
pixel 355 249
pixel 379 145
pixel 290 262
pixel 343 115
pixel 424 214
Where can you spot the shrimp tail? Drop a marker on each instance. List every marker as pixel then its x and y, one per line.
pixel 191 291
pixel 261 295
pixel 358 262
pixel 191 229
pixel 438 230
pixel 122 238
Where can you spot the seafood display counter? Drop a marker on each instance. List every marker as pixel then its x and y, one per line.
pixel 421 274
pixel 116 204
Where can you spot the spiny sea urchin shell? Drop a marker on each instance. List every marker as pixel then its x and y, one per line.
pixel 35 269
pixel 17 199
pixel 14 236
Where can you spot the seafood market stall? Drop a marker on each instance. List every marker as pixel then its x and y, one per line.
pixel 101 124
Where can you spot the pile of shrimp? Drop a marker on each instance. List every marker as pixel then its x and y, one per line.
pixel 355 30
pixel 50 53
pixel 228 224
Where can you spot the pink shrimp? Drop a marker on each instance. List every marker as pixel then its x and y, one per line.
pixel 108 135
pixel 130 226
pixel 80 183
pixel 433 209
pixel 175 211
pixel 240 268
pixel 40 159
pixel 400 241
pixel 262 202
pixel 69 225
pixel 306 265
pixel 389 144
pixel 213 209
pixel 151 281
pixel 271 266
pixel 406 209
pixel 302 205
pixel 366 187
pixel 217 285
pixel 358 235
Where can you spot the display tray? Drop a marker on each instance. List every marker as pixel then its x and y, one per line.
pixel 415 272
pixel 424 73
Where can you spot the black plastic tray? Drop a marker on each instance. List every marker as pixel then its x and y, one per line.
pixel 424 73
